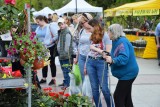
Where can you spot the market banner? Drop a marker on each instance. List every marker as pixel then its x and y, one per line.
pixel 109 13
pixel 146 12
pixel 123 12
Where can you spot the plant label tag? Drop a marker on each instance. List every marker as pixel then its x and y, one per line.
pixel 6 37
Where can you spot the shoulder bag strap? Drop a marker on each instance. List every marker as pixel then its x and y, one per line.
pixel 51 32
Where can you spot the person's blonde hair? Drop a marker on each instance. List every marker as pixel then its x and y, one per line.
pixel 86 17
pixel 55 18
pixel 116 30
pixel 75 16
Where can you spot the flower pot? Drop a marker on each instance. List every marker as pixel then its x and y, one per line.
pixel 22 62
pixel 24 57
pixel 37 64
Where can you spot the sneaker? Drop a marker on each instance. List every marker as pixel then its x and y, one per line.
pixel 61 84
pixel 52 82
pixel 42 81
pixel 64 87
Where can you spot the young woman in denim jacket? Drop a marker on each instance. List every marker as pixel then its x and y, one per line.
pixel 96 66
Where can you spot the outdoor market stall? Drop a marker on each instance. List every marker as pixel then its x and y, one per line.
pixel 143 8
pixel 76 6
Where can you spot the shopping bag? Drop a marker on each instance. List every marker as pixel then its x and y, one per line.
pixel 77 74
pixel 86 88
pixel 73 89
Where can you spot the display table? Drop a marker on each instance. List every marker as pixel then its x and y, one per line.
pixel 150 51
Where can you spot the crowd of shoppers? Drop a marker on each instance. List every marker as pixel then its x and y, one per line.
pixel 84 41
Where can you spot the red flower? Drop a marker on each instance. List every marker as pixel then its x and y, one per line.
pixel 66 95
pixel 12 2
pixel 18 89
pixel 47 89
pixel 16 73
pixel 61 93
pixel 52 94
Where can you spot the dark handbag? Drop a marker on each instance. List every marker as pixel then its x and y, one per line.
pixel 55 51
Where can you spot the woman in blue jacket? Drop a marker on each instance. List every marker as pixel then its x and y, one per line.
pixel 123 65
pixel 48 35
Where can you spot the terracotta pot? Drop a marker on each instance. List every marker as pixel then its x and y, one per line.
pixel 37 64
pixel 22 62
pixel 24 57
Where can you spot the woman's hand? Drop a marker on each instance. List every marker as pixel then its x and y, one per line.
pixel 75 60
pixel 108 59
pixel 85 71
pixel 92 47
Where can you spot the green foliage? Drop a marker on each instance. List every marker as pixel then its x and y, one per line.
pixel 79 101
pixel 7 17
pixel 40 4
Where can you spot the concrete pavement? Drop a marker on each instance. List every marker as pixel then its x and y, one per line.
pixel 146 88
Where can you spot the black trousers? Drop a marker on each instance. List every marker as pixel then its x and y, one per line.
pixel 122 94
pixel 52 64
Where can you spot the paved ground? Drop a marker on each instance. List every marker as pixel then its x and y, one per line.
pixel 146 88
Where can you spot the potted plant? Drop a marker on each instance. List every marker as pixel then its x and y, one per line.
pixel 8 17
pixel 30 51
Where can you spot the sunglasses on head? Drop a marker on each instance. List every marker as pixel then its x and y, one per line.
pixel 85 16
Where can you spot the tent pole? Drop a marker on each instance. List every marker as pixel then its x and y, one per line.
pixel 76 6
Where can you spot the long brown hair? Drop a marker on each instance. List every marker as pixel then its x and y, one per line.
pixel 98 32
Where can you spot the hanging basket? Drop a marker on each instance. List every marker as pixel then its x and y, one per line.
pixel 24 57
pixel 38 64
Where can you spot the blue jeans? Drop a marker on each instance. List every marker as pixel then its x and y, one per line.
pixel 95 69
pixel 65 70
pixel 81 63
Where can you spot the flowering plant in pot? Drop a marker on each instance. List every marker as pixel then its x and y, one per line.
pixel 30 51
pixel 8 15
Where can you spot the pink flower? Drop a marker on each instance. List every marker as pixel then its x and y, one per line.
pixel 31 37
pixel 34 42
pixel 15 42
pixel 14 50
pixel 26 44
pixel 9 52
pixel 20 41
pixel 33 33
pixel 24 50
pixel 12 2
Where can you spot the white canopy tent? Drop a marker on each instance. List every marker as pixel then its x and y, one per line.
pixel 82 6
pixel 45 11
